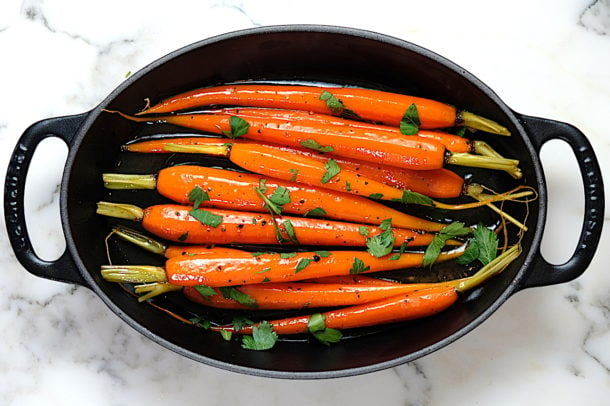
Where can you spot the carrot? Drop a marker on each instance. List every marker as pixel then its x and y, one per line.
pixel 168 251
pixel 399 308
pixel 435 183
pixel 453 143
pixel 235 190
pixel 272 161
pixel 368 104
pixel 299 295
pixel 391 149
pixel 217 269
pixel 177 223
pixel 351 279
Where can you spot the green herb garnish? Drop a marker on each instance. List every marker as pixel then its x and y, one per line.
pixel 483 246
pixel 313 144
pixel 205 291
pixel 239 127
pixel 433 250
pixel 183 237
pixel 409 197
pixel 286 255
pixel 317 326
pixel 409 125
pixel 364 231
pixel 358 267
pixel 201 322
pixel 207 218
pixel 294 172
pixel 382 243
pixel 335 105
pixel 198 196
pixel 332 170
pixel 240 297
pixel 303 263
pixel 263 337
pixel 318 211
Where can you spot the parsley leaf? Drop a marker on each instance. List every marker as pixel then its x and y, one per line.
pixel 205 291
pixel 317 327
pixel 280 196
pixel 409 125
pixel 376 196
pixel 318 211
pixel 483 246
pixel 313 144
pixel 358 267
pixel 386 224
pixel 433 250
pixel 460 132
pixel 348 186
pixel 198 196
pixel 323 254
pixel 290 231
pixel 332 170
pixel 263 337
pixel 382 243
pixel 285 255
pixel 207 218
pixel 294 172
pixel 335 105
pixel 201 322
pixel 240 297
pixel 226 334
pixel 239 127
pixel 409 197
pixel 240 322
pixel 303 263
pixel 403 246
pixel 183 237
pixel 364 231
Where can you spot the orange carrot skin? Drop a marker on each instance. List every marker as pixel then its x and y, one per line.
pixel 270 161
pixel 190 250
pixel 453 143
pixel 352 279
pixel 391 149
pixel 399 308
pixel 298 295
pixel 174 223
pixel 437 183
pixel 216 270
pixel 373 105
pixel 229 189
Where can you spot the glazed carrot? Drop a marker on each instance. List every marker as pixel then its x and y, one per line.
pixel 177 223
pixel 271 161
pixel 453 143
pixel 368 104
pixel 217 269
pixel 391 149
pixel 407 306
pixel 399 308
pixel 436 183
pixel 168 251
pixel 299 295
pixel 352 279
pixel 235 190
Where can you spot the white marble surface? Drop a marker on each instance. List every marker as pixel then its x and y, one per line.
pixel 61 345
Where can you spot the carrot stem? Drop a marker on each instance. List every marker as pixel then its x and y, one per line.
pixel 483 148
pixel 120 210
pixel 209 149
pixel 133 273
pixel 142 241
pixel 117 181
pixel 494 267
pixel 154 289
pixel 481 123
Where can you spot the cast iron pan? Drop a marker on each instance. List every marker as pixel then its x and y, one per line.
pixel 290 53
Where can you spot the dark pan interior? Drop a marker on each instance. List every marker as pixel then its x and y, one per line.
pixel 335 56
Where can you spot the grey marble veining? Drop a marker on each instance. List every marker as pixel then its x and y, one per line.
pixel 61 345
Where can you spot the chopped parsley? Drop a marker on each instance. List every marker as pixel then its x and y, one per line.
pixel 358 267
pixel 303 263
pixel 313 144
pixel 263 337
pixel 376 196
pixel 409 125
pixel 240 297
pixel 332 170
pixel 318 211
pixel 206 218
pixel 294 173
pixel 317 327
pixel 198 196
pixel 205 291
pixel 433 250
pixel 382 243
pixel 483 246
pixel 409 197
pixel 239 127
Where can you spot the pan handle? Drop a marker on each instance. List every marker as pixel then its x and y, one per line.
pixel 62 269
pixel 540 131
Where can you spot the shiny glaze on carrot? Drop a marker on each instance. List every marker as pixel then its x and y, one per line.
pixel 218 270
pixel 373 105
pixel 299 295
pixel 230 190
pixel 174 223
pixel 399 308
pixel 436 183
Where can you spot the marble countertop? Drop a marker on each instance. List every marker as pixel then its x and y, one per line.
pixel 61 345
